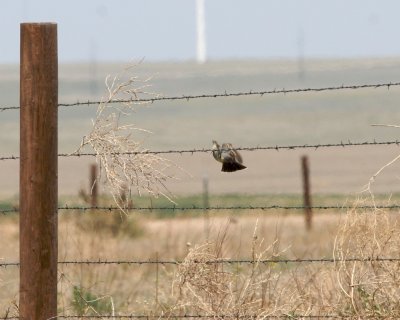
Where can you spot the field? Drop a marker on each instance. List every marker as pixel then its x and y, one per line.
pixel 264 286
pixel 303 118
pixel 198 288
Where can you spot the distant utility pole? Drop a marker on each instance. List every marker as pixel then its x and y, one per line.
pixel 201 31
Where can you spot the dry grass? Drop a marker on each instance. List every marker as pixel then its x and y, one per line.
pixel 369 289
pixel 123 161
pixel 354 289
pixel 351 289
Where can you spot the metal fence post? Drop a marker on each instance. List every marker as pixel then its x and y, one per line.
pixel 306 192
pixel 38 171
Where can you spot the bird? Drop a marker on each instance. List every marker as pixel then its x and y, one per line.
pixel 230 158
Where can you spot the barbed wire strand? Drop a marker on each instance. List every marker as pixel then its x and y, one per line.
pixel 193 316
pixel 261 93
pixel 257 148
pixel 216 316
pixel 218 261
pixel 215 208
pixel 209 208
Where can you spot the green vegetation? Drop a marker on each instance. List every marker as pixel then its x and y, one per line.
pixel 85 302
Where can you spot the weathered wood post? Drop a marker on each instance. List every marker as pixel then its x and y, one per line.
pixel 93 185
pixel 38 171
pixel 306 192
pixel 206 204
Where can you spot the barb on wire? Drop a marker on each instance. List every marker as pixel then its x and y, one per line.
pixel 7 211
pixel 218 261
pixel 213 208
pixel 261 93
pixel 257 148
pixel 9 108
pixel 9 158
pixel 9 264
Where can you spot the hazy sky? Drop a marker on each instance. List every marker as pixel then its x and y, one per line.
pixel 122 30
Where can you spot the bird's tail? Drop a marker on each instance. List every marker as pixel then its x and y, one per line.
pixel 232 166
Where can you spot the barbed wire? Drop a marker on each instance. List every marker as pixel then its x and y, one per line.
pixel 225 94
pixel 199 316
pixel 257 148
pixel 215 316
pixel 249 207
pixel 215 208
pixel 217 261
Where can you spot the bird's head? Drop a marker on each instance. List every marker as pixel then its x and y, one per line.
pixel 215 145
pixel 216 151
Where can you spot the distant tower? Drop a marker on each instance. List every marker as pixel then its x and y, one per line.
pixel 201 32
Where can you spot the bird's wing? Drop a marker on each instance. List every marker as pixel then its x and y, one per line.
pixel 238 156
pixel 230 153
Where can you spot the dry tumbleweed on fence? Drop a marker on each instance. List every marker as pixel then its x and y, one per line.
pixel 122 158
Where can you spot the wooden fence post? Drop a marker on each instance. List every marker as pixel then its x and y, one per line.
pixel 38 171
pixel 306 192
pixel 206 204
pixel 93 185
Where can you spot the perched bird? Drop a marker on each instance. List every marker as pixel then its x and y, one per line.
pixel 231 159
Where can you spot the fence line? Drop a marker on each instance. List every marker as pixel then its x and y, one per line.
pixel 215 316
pixel 217 261
pixel 38 253
pixel 201 208
pixel 200 316
pixel 261 93
pixel 214 208
pixel 257 148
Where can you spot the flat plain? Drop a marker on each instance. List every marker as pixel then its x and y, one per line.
pixel 360 288
pixel 304 118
